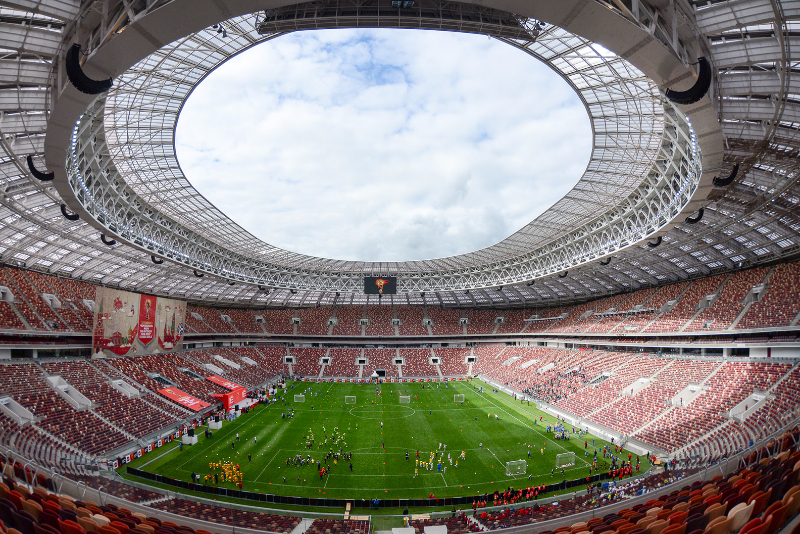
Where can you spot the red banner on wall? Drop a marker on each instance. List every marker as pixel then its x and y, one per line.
pixel 184 399
pixel 147 318
pixel 227 384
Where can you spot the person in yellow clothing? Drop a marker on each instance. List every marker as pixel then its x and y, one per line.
pixel 542 450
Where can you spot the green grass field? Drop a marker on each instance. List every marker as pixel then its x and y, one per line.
pixel 380 468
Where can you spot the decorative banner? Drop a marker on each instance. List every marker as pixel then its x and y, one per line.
pixel 147 318
pixel 127 323
pixel 184 399
pixel 227 384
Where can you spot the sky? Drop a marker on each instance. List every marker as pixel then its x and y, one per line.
pixel 383 145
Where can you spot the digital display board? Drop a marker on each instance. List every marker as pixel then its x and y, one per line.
pixel 380 285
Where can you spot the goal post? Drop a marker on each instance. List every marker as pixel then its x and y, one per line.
pixel 349 400
pixel 458 398
pixel 565 459
pixel 405 399
pixel 299 398
pixel 516 468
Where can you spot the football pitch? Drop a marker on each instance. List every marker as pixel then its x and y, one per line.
pixel 378 431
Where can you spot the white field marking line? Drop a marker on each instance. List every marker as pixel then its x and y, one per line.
pixel 275 436
pixel 171 449
pixel 526 424
pixel 493 454
pixel 443 480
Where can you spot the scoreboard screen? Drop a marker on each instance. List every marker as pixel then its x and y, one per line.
pixel 380 285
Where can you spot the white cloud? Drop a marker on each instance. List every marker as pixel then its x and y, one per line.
pixel 383 144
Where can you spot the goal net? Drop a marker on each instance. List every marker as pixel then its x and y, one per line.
pixel 516 467
pixel 405 400
pixel 349 400
pixel 299 398
pixel 565 459
pixel 458 398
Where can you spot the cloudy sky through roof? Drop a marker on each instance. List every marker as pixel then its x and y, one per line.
pixel 383 144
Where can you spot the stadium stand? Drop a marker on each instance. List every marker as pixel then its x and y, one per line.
pixel 244 320
pixel 306 361
pixel 453 361
pixel 411 317
pixel 278 321
pixel 675 319
pixel 513 321
pixel 381 359
pixel 211 318
pixel 730 302
pixel 314 321
pixel 417 363
pixel 343 362
pixel 380 321
pixel 481 321
pixel 238 518
pixel 445 321
pixel 338 526
pixel 779 306
pixel 348 317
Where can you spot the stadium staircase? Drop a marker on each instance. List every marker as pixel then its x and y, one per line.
pixel 718 291
pixel 658 317
pixel 430 330
pixel 105 421
pixel 19 315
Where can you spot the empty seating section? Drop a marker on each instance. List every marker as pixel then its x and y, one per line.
pixel 278 321
pixel 380 321
pixel 348 317
pixel 35 299
pixel 636 323
pixel 417 362
pixel 575 313
pixel 131 415
pixel 195 324
pixel 513 321
pixel 314 321
pixel 380 359
pixel 454 525
pixel 169 366
pixel 20 300
pixel 487 357
pixel 445 321
pixel 481 321
pixel 452 362
pixel 243 376
pixel 600 306
pixel 637 298
pixel 729 304
pixel 25 383
pixel 343 362
pixel 780 305
pixel 411 318
pixel 306 361
pixel 73 294
pixel 212 318
pixel 728 386
pixel 687 306
pixel 9 319
pixel 545 318
pixel 271 358
pixel 339 526
pixel 244 320
pixel 228 516
pixel 258 373
pixel 41 285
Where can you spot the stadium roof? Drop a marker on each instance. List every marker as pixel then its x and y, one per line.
pixel 754 220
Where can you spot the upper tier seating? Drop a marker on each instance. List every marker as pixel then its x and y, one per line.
pixel 780 305
pixel 729 304
pixel 445 321
pixel 314 321
pixel 348 318
pixel 513 321
pixel 411 318
pixel 278 321
pixel 380 321
pixel 211 318
pixel 481 321
pixel 610 323
pixel 244 320
pixel 675 319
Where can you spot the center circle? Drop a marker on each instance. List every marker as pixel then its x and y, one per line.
pixel 383 144
pixel 382 412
